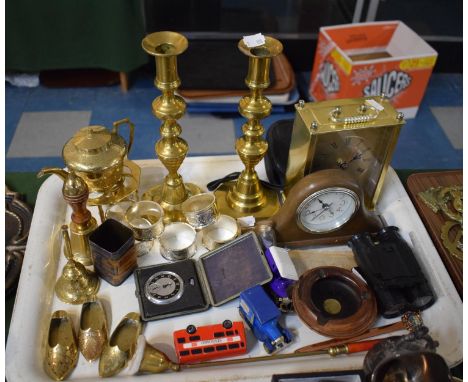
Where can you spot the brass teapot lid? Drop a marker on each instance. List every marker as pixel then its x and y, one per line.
pixel 94 149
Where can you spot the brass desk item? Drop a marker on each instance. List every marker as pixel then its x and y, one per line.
pixel 61 349
pixel 355 135
pixel 427 190
pixel 121 346
pixel 448 201
pixel 246 196
pixel 75 192
pixel 171 149
pixel 76 285
pixel 99 156
pixel 93 330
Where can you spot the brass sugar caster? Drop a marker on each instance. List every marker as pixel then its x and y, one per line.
pixel 75 192
pixel 76 285
pixel 171 149
pixel 246 196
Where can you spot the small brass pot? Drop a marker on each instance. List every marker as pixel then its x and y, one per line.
pixel 97 155
pixel 200 210
pixel 178 242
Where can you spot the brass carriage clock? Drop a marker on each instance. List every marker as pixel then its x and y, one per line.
pixel 356 135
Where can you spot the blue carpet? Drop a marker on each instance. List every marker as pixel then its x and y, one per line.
pixel 423 143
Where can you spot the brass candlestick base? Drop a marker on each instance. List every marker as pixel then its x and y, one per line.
pixel 246 196
pixel 168 107
pixel 261 205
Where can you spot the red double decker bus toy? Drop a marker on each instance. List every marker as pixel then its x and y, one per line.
pixel 209 342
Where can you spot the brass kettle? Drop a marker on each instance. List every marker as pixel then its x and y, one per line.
pixel 97 155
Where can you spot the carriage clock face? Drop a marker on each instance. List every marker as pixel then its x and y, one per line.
pixel 164 287
pixel 359 153
pixel 327 210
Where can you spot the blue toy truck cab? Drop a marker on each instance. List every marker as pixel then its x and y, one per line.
pixel 261 314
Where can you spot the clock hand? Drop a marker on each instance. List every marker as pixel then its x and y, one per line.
pixel 307 213
pixel 327 207
pixel 345 164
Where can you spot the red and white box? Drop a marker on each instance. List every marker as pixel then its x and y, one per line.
pixel 356 60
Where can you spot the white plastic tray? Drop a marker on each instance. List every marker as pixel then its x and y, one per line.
pixel 43 263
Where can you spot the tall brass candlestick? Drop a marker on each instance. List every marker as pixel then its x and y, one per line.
pixel 168 107
pixel 246 196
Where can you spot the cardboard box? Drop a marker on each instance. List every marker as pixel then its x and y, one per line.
pixel 356 60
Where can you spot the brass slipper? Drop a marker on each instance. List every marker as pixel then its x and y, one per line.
pixel 61 349
pixel 121 346
pixel 93 330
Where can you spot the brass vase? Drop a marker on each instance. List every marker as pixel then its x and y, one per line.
pixel 171 149
pixel 246 196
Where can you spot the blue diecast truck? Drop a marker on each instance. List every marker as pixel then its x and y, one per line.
pixel 261 314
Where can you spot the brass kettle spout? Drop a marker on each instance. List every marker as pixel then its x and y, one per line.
pixel 63 174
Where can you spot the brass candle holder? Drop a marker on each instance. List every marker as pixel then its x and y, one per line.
pixel 245 196
pixel 168 107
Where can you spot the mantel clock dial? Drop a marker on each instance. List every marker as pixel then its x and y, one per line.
pixel 325 207
pixel 356 136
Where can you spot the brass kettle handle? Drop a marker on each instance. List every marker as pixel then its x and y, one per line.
pixel 115 130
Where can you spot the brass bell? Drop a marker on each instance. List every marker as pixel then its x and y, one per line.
pixel 76 285
pixel 155 361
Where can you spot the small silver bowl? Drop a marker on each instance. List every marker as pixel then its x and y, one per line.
pixel 145 218
pixel 200 210
pixel 178 242
pixel 225 229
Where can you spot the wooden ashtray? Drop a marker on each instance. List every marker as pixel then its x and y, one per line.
pixel 334 302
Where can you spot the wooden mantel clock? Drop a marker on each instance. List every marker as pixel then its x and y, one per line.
pixel 325 207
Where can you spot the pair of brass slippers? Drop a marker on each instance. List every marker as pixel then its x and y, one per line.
pixel 62 344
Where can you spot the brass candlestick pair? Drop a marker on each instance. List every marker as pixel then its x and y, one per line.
pixel 245 196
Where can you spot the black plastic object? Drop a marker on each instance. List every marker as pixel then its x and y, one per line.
pixel 276 158
pixel 214 65
pixel 388 264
